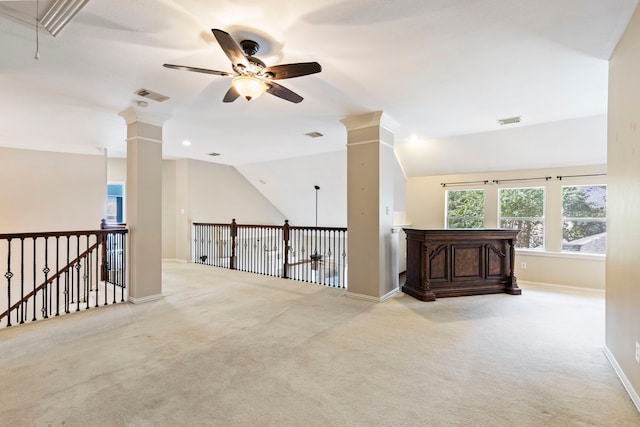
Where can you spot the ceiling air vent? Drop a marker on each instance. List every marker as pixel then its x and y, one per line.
pixel 509 121
pixel 214 154
pixel 314 134
pixel 145 93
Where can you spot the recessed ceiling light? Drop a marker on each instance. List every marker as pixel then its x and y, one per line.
pixel 186 143
pixel 509 120
pixel 314 134
pixel 414 139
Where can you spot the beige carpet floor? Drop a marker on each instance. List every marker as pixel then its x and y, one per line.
pixel 226 348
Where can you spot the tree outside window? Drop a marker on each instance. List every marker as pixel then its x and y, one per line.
pixel 523 209
pixel 465 208
pixel 584 216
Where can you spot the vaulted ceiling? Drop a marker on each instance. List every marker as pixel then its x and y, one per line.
pixel 445 70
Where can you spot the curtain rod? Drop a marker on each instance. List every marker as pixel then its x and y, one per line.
pixel 498 181
pixel 444 184
pixel 578 176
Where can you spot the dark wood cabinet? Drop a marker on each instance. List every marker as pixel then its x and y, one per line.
pixel 451 263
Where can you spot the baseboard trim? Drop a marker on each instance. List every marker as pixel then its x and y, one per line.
pixel 373 299
pixel 595 292
pixel 625 381
pixel 145 299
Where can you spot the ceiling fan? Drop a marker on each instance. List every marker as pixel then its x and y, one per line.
pixel 251 77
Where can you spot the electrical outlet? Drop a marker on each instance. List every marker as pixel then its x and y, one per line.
pixel 523 265
pixel 637 351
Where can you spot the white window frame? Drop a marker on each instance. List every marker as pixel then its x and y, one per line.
pixel 446 208
pixel 531 219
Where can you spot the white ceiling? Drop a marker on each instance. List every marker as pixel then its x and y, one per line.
pixel 442 69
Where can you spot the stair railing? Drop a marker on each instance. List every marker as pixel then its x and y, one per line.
pixel 53 273
pixel 309 254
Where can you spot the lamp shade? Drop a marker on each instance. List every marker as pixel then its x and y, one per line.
pixel 249 87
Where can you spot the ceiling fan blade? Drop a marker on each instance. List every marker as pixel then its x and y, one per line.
pixel 230 48
pixel 288 71
pixel 282 92
pixel 197 70
pixel 231 95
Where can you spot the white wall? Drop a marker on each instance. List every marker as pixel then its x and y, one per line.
pixel 289 185
pixel 219 193
pixel 563 143
pixel 210 192
pixel 623 266
pixel 426 207
pixel 197 191
pixel 46 191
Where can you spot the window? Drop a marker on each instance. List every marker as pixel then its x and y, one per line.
pixel 523 209
pixel 465 208
pixel 115 197
pixel 584 216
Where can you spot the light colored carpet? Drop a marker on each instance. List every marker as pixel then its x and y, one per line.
pixel 226 348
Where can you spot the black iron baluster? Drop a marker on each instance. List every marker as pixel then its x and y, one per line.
pixel 344 262
pixel 105 264
pixel 197 244
pixel 57 275
pixel 67 284
pixel 47 287
pixel 20 312
pixel 246 234
pixel 123 243
pixel 262 249
pixel 284 249
pixel 97 271
pixel 8 275
pixel 35 284
pixel 208 248
pixel 113 260
pixel 86 275
pixel 255 251
pixel 322 261
pixel 205 237
pixel 77 267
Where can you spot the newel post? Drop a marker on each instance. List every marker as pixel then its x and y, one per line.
pixel 102 244
pixel 285 239
pixel 234 234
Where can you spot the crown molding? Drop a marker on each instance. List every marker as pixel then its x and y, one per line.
pixel 133 115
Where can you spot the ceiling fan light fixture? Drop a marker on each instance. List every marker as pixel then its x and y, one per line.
pixel 249 87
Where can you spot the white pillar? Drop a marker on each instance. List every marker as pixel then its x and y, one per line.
pixel 144 203
pixel 370 187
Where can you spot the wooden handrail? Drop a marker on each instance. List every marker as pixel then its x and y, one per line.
pixel 47 234
pixel 293 227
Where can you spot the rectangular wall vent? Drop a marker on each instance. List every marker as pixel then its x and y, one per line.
pixel 146 93
pixel 314 134
pixel 509 120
